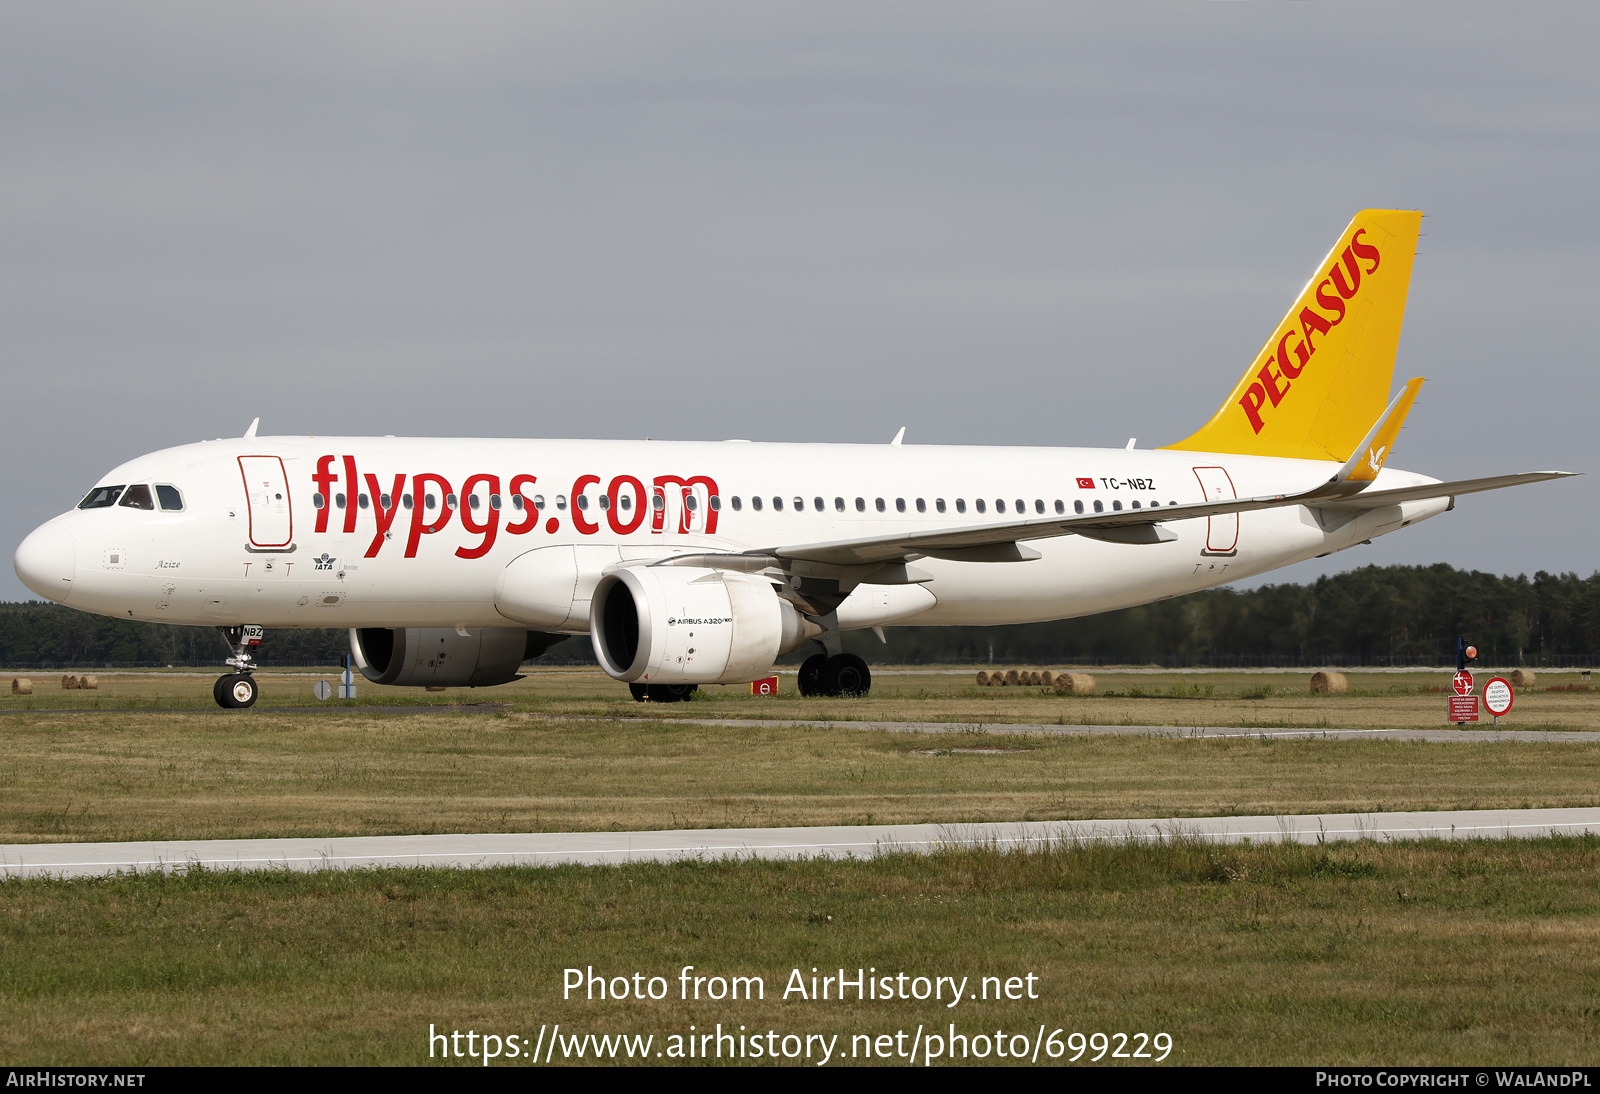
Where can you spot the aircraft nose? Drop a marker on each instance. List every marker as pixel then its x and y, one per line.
pixel 47 561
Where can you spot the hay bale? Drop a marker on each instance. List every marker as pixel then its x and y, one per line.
pixel 68 683
pixel 983 678
pixel 1074 683
pixel 1329 683
pixel 1521 678
pixel 21 685
pixel 89 683
pixel 1012 679
pixel 1047 678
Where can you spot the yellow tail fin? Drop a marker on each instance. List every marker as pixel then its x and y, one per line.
pixel 1323 377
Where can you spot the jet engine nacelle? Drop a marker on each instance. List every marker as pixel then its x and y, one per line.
pixel 687 625
pixel 443 657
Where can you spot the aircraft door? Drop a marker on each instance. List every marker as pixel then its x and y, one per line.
pixel 1222 531
pixel 266 490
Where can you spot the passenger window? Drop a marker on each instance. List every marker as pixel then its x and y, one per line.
pixel 429 501
pixel 838 505
pixel 861 504
pixel 517 502
pixel 138 497
pixel 383 500
pixel 799 505
pixel 817 504
pixel 338 501
pixel 922 506
pixel 999 505
pixel 170 499
pixel 1117 505
pixel 755 503
pixel 690 502
pixel 100 497
pixel 581 501
pixel 658 501
pixel 405 500
pixel 777 504
pixel 961 505
pixel 604 501
pixel 361 499
pixel 450 502
pixel 899 505
pixel 1077 507
pixel 494 500
pixel 472 501
pixel 538 502
pixel 1060 506
pixel 938 503
pixel 317 502
pixel 880 505
pixel 1136 505
pixel 1022 506
pixel 1038 505
pixel 737 504
pixel 1099 507
pixel 716 503
pixel 561 501
pixel 1154 504
pixel 978 504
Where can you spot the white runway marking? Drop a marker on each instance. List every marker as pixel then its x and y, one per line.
pixel 864 841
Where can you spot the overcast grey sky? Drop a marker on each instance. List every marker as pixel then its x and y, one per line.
pixel 994 223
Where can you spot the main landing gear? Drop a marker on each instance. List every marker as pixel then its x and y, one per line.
pixel 662 693
pixel 839 674
pixel 237 689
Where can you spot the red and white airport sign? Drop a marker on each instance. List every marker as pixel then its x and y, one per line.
pixel 1463 708
pixel 769 686
pixel 1462 682
pixel 1497 696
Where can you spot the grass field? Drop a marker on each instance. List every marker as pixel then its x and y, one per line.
pixel 129 772
pixel 1470 953
pixel 1474 952
pixel 1246 700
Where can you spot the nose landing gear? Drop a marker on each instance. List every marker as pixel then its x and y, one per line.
pixel 237 689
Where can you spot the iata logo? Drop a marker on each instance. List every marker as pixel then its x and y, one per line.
pixel 1297 344
pixel 325 562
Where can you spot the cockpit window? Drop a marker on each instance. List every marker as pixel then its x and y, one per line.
pixel 138 497
pixel 172 501
pixel 101 497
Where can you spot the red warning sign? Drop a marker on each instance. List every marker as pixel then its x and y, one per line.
pixel 1462 682
pixel 1463 708
pixel 769 686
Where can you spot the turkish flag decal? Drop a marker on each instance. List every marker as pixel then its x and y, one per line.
pixel 1085 484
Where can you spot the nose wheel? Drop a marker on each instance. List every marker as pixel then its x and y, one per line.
pixel 235 691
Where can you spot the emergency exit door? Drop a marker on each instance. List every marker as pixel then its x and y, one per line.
pixel 266 491
pixel 1222 530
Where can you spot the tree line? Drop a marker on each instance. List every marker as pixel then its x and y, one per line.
pixel 1371 616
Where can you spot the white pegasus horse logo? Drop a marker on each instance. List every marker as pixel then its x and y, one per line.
pixel 1375 457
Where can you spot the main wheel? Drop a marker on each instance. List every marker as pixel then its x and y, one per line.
pixel 670 693
pixel 811 674
pixel 217 692
pixel 638 692
pixel 846 674
pixel 238 690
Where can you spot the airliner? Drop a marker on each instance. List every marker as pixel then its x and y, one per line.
pixel 453 561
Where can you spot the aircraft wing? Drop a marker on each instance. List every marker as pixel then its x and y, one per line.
pixel 1374 498
pixel 998 542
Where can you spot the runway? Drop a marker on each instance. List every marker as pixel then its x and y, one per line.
pixel 68 860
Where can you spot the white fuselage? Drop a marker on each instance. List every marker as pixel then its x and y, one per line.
pixel 261 551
